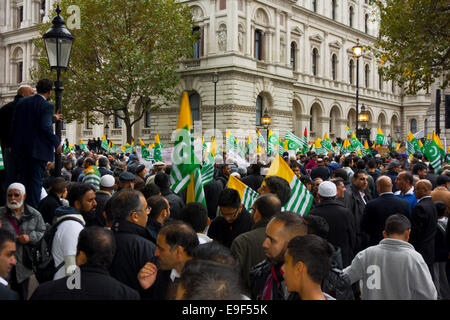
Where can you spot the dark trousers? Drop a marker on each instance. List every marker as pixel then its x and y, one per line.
pixel 31 175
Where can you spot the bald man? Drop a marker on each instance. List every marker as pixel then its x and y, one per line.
pixel 378 210
pixel 424 222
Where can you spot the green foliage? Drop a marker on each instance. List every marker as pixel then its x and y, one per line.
pixel 414 42
pixel 124 58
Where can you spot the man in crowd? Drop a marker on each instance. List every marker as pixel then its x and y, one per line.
pixel 405 182
pixel 254 177
pixel 339 219
pixel 393 270
pixel 247 247
pixel 126 180
pixel 196 215
pixel 52 201
pixel 442 191
pixel 159 215
pixel 233 219
pixel 378 210
pixel 266 279
pixel 277 186
pixel 176 203
pixel 306 264
pixel 175 244
pixel 71 220
pixel 107 183
pixel 33 140
pixel 424 222
pixel 103 164
pixel 134 247
pixel 27 225
pixel 7 262
pixel 95 252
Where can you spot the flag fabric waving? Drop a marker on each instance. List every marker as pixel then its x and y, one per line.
pixel 301 199
pixel 104 144
pixel 83 146
pixel 2 164
pixel 157 149
pixel 247 194
pixel 381 139
pixel 433 153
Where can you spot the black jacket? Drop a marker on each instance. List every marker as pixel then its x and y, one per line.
pixel 342 233
pixel 224 232
pixel 258 278
pixel 101 197
pixel 153 228
pixel 377 211
pixel 320 172
pixel 423 229
pixel 95 284
pixel 212 191
pixel 47 207
pixel 103 171
pixel 133 250
pixel 6 116
pixel 254 181
pixel 175 202
pixel 8 294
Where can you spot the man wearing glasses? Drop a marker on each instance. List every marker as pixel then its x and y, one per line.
pixel 233 218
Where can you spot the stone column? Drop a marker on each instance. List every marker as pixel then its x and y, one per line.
pixel 307 53
pixel 277 37
pixel 249 36
pixel 232 26
pixel 289 40
pixel 212 43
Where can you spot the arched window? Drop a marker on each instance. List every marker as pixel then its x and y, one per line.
pixel 413 126
pixel 315 54
pixel 366 23
pixel 350 71
pixel 293 52
pixel 350 16
pixel 333 66
pixel 259 110
pixel 148 119
pixel 19 72
pixel 333 9
pixel 314 5
pixel 117 121
pixel 198 47
pixel 194 102
pixel 258 44
pixel 366 75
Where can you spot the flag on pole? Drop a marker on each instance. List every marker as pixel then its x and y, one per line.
pixel 346 147
pixel 274 143
pixel 301 199
pixel 433 153
pixel 348 132
pixel 356 144
pixel 326 143
pixel 2 164
pixel 381 139
pixel 293 142
pixel 208 170
pixel 319 147
pixel 305 141
pixel 186 167
pixel 157 149
pixel 104 144
pixel 247 194
pixel 366 151
pixel 83 146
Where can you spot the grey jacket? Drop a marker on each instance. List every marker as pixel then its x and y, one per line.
pixel 392 270
pixel 31 224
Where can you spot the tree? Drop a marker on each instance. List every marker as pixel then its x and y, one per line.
pixel 413 45
pixel 124 59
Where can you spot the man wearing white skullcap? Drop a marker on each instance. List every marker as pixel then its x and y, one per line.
pixel 27 224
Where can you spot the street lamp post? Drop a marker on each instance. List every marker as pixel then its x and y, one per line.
pixel 215 79
pixel 265 120
pixel 363 117
pixel 357 52
pixel 58 44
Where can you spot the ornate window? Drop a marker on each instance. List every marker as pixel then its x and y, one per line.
pixel 259 44
pixel 194 101
pixel 350 16
pixel 350 71
pixel 259 110
pixel 333 66
pixel 315 55
pixel 293 53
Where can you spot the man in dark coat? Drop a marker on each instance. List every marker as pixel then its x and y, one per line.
pixel 9 175
pixel 134 249
pixel 176 203
pixel 7 262
pixel 212 191
pixel 95 253
pixel 52 201
pixel 33 140
pixel 233 220
pixel 254 178
pixel 378 210
pixel 103 166
pixel 355 199
pixel 424 223
pixel 339 219
pixel 393 168
pixel 247 248
pixel 102 196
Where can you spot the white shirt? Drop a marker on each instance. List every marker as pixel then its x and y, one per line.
pixel 65 243
pixel 203 238
pixel 3 281
pixel 423 198
pixel 174 274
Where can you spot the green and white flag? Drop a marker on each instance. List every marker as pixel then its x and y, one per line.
pixel 2 165
pixel 381 138
pixel 433 153
pixel 274 143
pixel 104 144
pixel 208 170
pixel 294 142
pixel 83 146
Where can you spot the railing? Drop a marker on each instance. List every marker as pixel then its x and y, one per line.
pixel 87 133
pixel 192 63
pixel 116 132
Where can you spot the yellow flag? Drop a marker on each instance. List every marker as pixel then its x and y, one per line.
pixel 398 146
pixel 213 146
pixel 141 142
pixel 236 184
pixel 157 139
pixel 437 140
pixel 185 116
pixel 366 145
pixel 325 137
pixel 281 169
pixel 420 143
pixel 318 143
pixel 380 131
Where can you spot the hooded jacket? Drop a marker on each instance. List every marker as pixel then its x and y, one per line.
pixel 392 270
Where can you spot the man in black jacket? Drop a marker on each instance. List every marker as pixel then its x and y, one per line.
pixel 91 281
pixel 134 248
pixel 254 178
pixel 378 210
pixel 52 201
pixel 9 175
pixel 7 262
pixel 424 222
pixel 266 278
pixel 176 203
pixel 339 219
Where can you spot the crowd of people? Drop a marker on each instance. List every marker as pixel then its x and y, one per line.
pixel 377 228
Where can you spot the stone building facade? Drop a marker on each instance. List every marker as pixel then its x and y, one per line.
pixel 291 57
